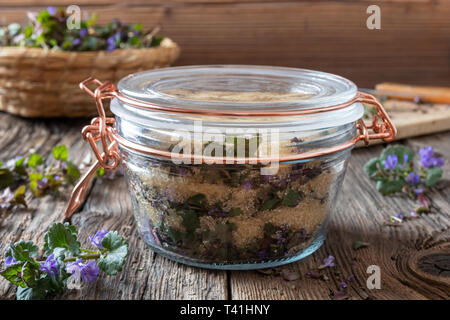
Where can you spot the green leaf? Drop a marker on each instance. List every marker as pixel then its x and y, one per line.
pixel 270 204
pixel 117 252
pixel 197 200
pixel 73 174
pixel 399 150
pixel 291 198
pixel 6 178
pixel 371 167
pixel 13 273
pixel 19 167
pixel 60 152
pixel 174 234
pixel 388 187
pixel 43 16
pixel 433 176
pixel 19 196
pixel 22 251
pixel 29 274
pixel 62 236
pixel 37 293
pixel 190 220
pixel 24 271
pixel 35 160
pixel 34 178
pixel 100 172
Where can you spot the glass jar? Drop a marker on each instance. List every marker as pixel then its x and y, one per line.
pixel 232 167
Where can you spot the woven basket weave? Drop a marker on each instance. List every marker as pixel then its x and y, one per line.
pixel 43 83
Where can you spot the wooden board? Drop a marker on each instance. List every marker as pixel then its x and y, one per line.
pixel 412 120
pixel 407 255
pixel 411 47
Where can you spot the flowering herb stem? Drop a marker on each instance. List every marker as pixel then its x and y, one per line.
pixel 64 260
pixel 34 174
pixel 88 251
pixel 394 172
pixel 84 257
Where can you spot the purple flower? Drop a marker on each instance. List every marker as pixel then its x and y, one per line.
pixel 350 278
pixel 112 40
pixel 10 260
pixel 89 272
pixel 51 10
pixel 405 158
pixel 437 162
pixel 76 42
pixel 86 272
pixel 413 179
pixel 427 158
pixel 111 43
pixel 391 162
pixel 74 268
pixel 248 184
pixel 50 266
pixel 98 238
pixel 418 191
pixel 6 198
pixel 399 216
pixel 57 178
pixel 413 214
pixel 426 152
pixel 83 32
pixel 328 262
pixel 342 285
pixel 262 254
pixel 42 183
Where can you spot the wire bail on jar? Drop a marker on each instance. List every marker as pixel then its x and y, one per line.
pixel 102 129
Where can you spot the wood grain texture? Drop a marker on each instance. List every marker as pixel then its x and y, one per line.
pixel 412 46
pixel 407 255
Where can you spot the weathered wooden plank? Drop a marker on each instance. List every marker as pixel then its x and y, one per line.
pixel 411 47
pixel 398 251
pixel 406 254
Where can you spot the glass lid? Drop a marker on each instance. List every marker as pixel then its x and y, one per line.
pixel 238 88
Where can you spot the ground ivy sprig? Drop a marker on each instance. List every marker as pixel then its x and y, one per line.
pixel 394 171
pixel 23 173
pixel 65 260
pixel 48 29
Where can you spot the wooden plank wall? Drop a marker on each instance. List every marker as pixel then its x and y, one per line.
pixel 413 45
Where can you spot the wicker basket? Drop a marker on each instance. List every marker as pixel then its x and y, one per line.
pixel 44 83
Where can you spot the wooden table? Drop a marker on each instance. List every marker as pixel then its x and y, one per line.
pixel 414 259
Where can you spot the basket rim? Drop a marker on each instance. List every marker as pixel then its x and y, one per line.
pixel 167 43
